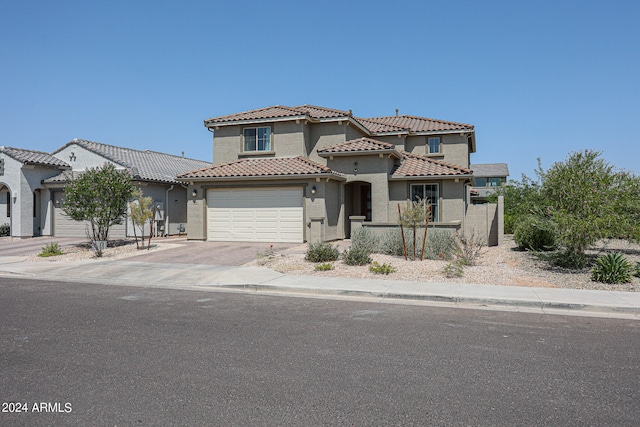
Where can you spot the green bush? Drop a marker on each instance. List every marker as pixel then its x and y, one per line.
pixel 366 239
pixel 636 271
pixel 51 249
pixel 454 269
pixel 536 233
pixel 356 256
pixel 322 252
pixel 325 266
pixel 382 268
pixel 440 244
pixel 5 230
pixel 612 268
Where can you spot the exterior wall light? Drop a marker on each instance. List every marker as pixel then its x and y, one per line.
pixel 313 190
pixel 195 193
pixel 355 167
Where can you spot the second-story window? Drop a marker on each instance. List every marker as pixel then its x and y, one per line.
pixel 257 139
pixel 434 145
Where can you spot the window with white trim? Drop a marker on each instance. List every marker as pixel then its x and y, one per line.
pixel 257 139
pixel 433 146
pixel 429 193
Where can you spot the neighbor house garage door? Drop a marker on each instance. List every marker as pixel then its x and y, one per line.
pixel 255 215
pixel 63 226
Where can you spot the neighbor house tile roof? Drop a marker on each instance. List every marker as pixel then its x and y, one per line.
pixel 279 112
pixel 32 157
pixel 360 145
pixel 411 124
pixel 413 165
pixel 263 167
pixel 488 170
pixel 144 165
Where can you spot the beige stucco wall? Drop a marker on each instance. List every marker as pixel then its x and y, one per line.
pixel 486 221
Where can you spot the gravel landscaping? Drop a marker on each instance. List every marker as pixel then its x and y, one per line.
pixel 499 265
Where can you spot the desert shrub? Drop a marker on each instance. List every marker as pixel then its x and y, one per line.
pixel 5 230
pixel 536 233
pixel 324 266
pixel 441 244
pixel 636 271
pixel 390 242
pixel 51 249
pixel 612 268
pixel 356 256
pixel 366 239
pixel 322 252
pixel 469 247
pixel 454 269
pixel 382 268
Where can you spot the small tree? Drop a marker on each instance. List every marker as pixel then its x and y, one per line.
pixel 99 196
pixel 140 211
pixel 414 214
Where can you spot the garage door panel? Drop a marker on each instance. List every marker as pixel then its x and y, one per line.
pixel 258 215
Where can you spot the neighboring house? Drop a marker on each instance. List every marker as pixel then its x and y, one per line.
pixel 487 178
pixel 32 186
pixel 307 173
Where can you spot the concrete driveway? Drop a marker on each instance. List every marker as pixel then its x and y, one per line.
pixel 211 253
pixel 10 246
pixel 188 252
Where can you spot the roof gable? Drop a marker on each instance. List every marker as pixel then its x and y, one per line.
pixel 358 146
pixel 32 157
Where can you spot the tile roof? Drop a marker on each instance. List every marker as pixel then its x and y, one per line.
pixel 32 157
pixel 490 170
pixel 360 145
pixel 278 112
pixel 413 165
pixel 143 165
pixel 412 124
pixel 263 167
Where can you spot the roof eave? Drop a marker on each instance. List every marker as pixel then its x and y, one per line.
pixel 360 153
pixel 213 124
pixel 263 177
pixel 427 177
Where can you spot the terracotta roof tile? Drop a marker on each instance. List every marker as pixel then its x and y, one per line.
pixel 32 157
pixel 278 112
pixel 412 124
pixel 358 145
pixel 413 165
pixel 263 167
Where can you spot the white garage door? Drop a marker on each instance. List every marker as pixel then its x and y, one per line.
pixel 255 215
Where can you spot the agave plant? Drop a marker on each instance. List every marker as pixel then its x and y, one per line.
pixel 612 268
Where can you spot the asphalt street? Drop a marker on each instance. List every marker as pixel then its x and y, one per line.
pixel 110 355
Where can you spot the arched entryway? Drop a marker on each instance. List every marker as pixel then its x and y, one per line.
pixel 357 198
pixel 6 204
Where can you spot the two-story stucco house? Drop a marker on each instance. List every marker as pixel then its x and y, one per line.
pixel 308 173
pixel 32 186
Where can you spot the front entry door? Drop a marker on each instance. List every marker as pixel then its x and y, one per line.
pixel 365 201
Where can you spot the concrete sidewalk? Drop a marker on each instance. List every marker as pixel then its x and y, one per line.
pixel 264 280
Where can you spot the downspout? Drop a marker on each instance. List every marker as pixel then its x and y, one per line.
pixel 166 211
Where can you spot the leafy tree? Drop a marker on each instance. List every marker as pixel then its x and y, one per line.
pixel 590 200
pixel 99 196
pixel 522 199
pixel 140 211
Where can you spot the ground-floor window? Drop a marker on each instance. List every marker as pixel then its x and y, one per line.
pixel 430 194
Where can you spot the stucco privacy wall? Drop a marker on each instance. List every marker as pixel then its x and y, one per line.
pixel 486 221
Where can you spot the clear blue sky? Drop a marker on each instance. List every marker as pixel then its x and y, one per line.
pixel 536 78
